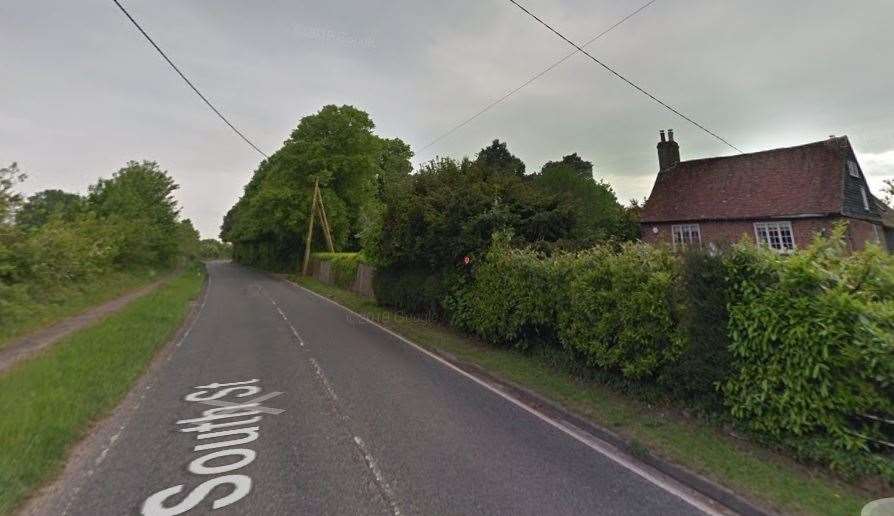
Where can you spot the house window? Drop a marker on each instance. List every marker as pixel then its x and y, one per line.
pixel 686 234
pixel 865 198
pixel 853 169
pixel 775 235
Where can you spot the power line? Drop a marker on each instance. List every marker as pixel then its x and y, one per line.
pixel 625 79
pixel 536 76
pixel 191 85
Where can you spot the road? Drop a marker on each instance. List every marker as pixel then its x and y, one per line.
pixel 334 415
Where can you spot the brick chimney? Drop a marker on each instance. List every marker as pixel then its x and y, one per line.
pixel 668 151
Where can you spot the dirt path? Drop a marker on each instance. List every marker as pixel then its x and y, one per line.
pixel 23 347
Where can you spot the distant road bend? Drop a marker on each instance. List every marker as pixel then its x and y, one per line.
pixel 280 402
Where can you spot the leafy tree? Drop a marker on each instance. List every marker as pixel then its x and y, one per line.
pixel 139 200
pixel 575 163
pixel 451 209
pixel 335 146
pixel 497 158
pixel 212 249
pixel 45 205
pixel 188 240
pixel 9 199
pixel 599 216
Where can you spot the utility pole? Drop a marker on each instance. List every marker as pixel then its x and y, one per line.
pixel 317 198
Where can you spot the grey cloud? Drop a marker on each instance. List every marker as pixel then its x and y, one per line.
pixel 82 93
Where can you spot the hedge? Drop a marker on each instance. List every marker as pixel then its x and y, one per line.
pixel 798 350
pixel 344 266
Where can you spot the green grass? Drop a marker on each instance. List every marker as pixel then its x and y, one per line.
pixel 48 403
pixel 748 469
pixel 72 300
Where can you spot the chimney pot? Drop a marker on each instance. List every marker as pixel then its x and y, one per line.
pixel 668 151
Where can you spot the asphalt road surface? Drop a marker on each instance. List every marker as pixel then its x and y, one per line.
pixel 280 402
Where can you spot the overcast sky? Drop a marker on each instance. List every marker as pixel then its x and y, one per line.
pixel 82 92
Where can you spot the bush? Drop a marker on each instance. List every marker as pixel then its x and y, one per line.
pixel 700 305
pixel 812 339
pixel 344 267
pixel 417 291
pixel 619 312
pixel 513 299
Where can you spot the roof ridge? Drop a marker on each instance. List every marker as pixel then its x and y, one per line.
pixel 767 151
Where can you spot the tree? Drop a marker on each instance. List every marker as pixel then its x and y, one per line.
pixel 335 146
pixel 572 162
pixel 596 208
pixel 497 158
pixel 9 199
pixel 139 200
pixel 888 190
pixel 212 249
pixel 41 207
pixel 451 210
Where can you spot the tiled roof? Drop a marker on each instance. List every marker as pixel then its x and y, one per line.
pixel 803 180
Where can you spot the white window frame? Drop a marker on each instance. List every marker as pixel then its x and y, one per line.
pixel 778 242
pixel 865 197
pixel 852 168
pixel 686 234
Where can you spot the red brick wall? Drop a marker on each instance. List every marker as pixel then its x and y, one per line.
pixel 859 232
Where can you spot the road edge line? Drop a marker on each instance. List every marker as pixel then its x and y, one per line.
pixel 584 431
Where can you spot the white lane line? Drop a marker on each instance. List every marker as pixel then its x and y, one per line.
pixel 377 473
pixel 387 492
pixel 283 315
pixel 324 380
pixel 585 438
pixel 371 464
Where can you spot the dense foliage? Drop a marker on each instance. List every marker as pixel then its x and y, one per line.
pixel 213 249
pixel 354 167
pixel 812 339
pixel 446 215
pixel 797 349
pixel 342 266
pixel 55 241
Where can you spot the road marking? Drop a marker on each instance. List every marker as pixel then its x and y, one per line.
pixel 585 438
pixel 324 380
pixel 377 473
pixel 218 467
pixel 379 477
pixel 371 464
pixel 254 403
pixel 283 315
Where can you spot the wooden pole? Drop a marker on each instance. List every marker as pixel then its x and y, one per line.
pixel 325 221
pixel 310 231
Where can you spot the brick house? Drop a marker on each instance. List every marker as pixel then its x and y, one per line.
pixel 780 198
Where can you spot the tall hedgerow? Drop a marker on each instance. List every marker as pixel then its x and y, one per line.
pixel 514 298
pixel 812 340
pixel 619 312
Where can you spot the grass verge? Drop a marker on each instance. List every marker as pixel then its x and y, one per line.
pixel 49 402
pixel 72 300
pixel 748 469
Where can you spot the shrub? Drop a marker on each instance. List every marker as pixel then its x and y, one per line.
pixel 418 291
pixel 700 305
pixel 344 267
pixel 812 339
pixel 513 299
pixel 619 309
